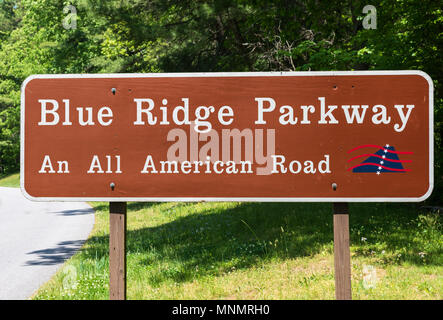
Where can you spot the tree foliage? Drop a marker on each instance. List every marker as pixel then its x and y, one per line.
pixel 211 35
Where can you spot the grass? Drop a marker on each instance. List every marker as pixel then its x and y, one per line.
pixel 12 180
pixel 257 251
pixel 237 250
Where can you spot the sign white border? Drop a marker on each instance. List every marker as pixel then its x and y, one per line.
pixel 230 74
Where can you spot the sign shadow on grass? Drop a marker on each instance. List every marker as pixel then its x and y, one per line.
pixel 218 241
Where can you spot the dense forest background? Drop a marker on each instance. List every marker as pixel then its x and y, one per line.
pixel 89 36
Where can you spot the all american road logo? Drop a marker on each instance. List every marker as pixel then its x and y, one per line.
pixel 386 159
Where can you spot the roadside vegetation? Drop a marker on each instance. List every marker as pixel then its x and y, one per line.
pixel 233 250
pixel 259 251
pixel 10 180
pixel 138 36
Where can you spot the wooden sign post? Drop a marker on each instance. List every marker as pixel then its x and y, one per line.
pixel 117 250
pixel 264 137
pixel 342 254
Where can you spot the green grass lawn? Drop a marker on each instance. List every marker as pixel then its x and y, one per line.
pixel 12 180
pixel 259 251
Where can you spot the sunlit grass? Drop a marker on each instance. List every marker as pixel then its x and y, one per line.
pixel 11 181
pixel 259 251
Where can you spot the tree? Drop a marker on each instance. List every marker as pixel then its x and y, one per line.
pixel 213 35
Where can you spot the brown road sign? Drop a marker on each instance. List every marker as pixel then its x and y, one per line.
pixel 298 136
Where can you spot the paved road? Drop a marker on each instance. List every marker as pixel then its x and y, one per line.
pixel 35 239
